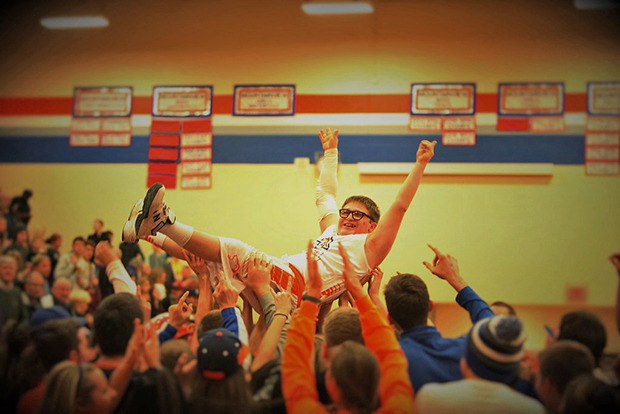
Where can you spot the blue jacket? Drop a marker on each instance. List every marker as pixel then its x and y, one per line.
pixel 433 358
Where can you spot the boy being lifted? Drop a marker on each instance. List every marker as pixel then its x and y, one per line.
pixel 356 227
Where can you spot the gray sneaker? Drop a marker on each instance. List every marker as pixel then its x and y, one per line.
pixel 150 218
pixel 129 229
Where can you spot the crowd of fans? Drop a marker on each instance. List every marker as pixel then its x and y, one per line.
pixel 106 329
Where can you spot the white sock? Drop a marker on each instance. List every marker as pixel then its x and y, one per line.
pixel 178 232
pixel 157 240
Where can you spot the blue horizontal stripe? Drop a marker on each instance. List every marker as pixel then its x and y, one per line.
pixel 282 149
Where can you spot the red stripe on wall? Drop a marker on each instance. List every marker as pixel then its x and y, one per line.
pixel 344 104
pixel 305 104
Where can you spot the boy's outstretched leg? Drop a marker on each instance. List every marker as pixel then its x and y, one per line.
pixel 152 215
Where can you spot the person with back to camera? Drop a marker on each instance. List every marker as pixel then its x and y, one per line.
pixel 359 379
pixel 355 226
pixel 431 357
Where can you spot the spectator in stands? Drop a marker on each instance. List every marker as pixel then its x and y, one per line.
pixel 560 363
pixel 5 241
pixel 358 378
pixel 586 328
pixel 54 242
pixel 502 308
pixel 11 305
pixel 72 265
pixel 61 291
pixel 431 357
pixel 19 212
pixel 42 264
pixel 493 351
pixel 98 232
pixel 588 395
pixel 53 342
pixel 21 245
pixel 152 390
pixel 33 296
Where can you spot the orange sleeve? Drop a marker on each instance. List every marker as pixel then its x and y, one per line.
pixel 298 381
pixel 395 390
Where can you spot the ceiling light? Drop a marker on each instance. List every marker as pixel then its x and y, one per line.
pixel 345 7
pixel 597 4
pixel 74 22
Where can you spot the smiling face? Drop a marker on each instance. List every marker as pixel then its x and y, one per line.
pixel 349 225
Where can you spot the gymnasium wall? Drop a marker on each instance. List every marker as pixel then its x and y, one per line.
pixel 524 239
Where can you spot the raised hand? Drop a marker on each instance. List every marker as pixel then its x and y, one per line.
pixel 181 312
pixel 329 138
pixel 259 273
pixel 314 284
pixel 351 281
pixel 197 264
pixel 145 304
pixel 284 302
pixel 374 282
pixel 425 152
pixel 225 294
pixel 104 254
pixel 446 267
pixel 152 352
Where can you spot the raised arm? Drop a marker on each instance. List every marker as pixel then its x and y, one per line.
pixel 205 297
pixel 272 341
pixel 395 389
pixel 380 241
pixel 325 196
pixel 446 267
pixel 116 272
pixel 298 379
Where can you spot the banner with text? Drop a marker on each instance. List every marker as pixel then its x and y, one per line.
pixel 531 107
pixel 181 132
pixel 264 100
pixel 602 138
pixel 101 117
pixel 446 108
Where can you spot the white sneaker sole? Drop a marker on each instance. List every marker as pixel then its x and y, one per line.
pixel 129 229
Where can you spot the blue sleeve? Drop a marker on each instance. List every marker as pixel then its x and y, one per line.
pixel 473 304
pixel 229 320
pixel 167 334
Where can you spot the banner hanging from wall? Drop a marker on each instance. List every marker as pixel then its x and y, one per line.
pixel 531 107
pixel 446 108
pixel 602 137
pixel 101 117
pixel 264 100
pixel 181 132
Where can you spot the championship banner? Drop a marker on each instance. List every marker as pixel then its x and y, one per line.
pixel 182 101
pixel 100 102
pixel 443 98
pixel 196 154
pixel 101 117
pixel 264 100
pixel 446 108
pixel 602 138
pixel 531 107
pixel 604 98
pixel 181 134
